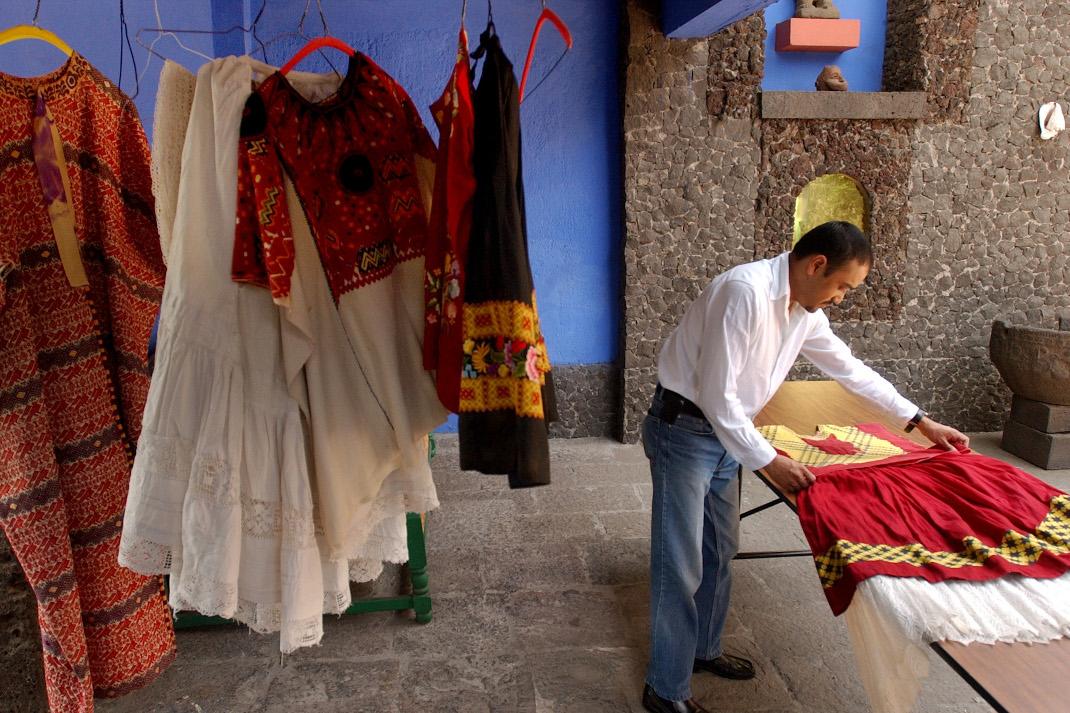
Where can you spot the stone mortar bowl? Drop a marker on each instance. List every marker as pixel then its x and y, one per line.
pixel 1034 363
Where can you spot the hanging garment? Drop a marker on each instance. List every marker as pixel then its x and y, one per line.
pixel 507 395
pixel 174 100
pixel 451 225
pixel 80 281
pixel 361 163
pixel 222 495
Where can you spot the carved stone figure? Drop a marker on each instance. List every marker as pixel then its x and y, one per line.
pixel 831 80
pixel 824 9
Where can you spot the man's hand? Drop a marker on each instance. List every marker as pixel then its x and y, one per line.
pixel 944 436
pixel 788 475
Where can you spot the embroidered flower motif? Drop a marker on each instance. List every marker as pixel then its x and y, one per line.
pixel 532 365
pixel 451 311
pixel 453 289
pixel 469 372
pixel 503 370
pixel 469 345
pixel 479 358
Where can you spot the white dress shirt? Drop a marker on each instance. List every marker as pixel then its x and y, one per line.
pixel 735 345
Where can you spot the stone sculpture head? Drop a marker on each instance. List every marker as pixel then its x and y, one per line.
pixel 831 80
pixel 823 9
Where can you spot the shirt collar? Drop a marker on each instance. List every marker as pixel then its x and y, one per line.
pixel 780 286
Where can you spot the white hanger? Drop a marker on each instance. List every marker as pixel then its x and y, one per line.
pixel 161 34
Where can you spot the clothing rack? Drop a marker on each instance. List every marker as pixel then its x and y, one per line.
pixel 418 600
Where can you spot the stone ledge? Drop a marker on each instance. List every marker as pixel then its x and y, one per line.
pixel 844 105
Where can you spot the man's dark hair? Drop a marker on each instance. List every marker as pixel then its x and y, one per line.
pixel 837 240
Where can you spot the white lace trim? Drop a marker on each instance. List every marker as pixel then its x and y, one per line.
pixel 145 557
pixel 1009 609
pixel 210 478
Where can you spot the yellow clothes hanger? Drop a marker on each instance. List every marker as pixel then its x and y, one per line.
pixel 33 32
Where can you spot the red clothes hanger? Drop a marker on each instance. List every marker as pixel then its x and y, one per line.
pixel 551 16
pixel 312 46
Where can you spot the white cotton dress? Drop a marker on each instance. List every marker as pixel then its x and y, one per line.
pixel 222 494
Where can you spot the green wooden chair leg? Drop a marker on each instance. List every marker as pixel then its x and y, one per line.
pixel 421 597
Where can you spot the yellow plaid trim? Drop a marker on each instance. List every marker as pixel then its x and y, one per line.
pixel 514 320
pixel 869 447
pixel 495 393
pixel 1052 535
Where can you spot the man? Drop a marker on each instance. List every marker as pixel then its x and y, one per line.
pixel 718 369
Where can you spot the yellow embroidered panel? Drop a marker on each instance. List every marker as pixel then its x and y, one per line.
pixel 1052 535
pixel 495 393
pixel 505 360
pixel 868 446
pixel 492 319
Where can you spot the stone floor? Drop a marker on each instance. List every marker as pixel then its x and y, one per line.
pixel 540 605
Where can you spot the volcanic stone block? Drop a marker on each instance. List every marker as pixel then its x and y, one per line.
pixel 1034 362
pixel 1046 450
pixel 1048 418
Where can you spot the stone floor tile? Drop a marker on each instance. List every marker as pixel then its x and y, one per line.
pixel 581 618
pixel 535 565
pixel 468 684
pixel 455 568
pixel 620 561
pixel 558 527
pixel 587 680
pixel 461 625
pixel 594 498
pixel 236 687
pixel 313 686
pixel 625 524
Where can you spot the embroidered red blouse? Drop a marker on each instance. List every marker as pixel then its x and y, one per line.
pixel 352 160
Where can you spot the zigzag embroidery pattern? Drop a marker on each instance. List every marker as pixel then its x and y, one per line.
pixel 267 208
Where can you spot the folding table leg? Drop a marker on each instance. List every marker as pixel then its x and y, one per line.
pixel 768 554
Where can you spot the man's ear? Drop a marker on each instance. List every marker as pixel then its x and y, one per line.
pixel 816 265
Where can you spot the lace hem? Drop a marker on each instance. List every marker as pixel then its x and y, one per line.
pixel 1008 609
pixel 144 556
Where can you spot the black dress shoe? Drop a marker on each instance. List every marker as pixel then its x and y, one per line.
pixel 656 704
pixel 727 666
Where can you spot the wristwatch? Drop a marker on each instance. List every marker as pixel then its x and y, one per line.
pixel 915 421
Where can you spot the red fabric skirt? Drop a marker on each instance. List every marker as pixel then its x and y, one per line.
pixel 940 515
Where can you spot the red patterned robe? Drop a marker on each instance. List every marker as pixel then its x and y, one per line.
pixel 73 381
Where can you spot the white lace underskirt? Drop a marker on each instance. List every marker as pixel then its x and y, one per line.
pixel 892 620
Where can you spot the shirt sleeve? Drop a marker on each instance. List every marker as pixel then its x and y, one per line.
pixel 829 354
pixel 732 315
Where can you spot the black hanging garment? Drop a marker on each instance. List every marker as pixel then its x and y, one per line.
pixel 507 395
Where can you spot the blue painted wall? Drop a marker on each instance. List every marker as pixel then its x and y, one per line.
pixel 861 66
pixel 91 27
pixel 571 134
pixel 571 124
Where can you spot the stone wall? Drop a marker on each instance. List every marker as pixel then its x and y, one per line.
pixel 971 208
pixel 692 164
pixel 588 401
pixel 878 155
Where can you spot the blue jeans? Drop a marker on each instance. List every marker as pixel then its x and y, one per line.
pixel 694 535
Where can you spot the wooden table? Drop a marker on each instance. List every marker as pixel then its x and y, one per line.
pixel 1013 678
